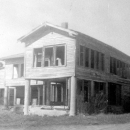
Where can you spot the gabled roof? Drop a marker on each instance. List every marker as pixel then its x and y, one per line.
pixel 39 31
pixel 13 56
pixel 45 28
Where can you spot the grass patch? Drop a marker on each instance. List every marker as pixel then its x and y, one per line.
pixel 9 119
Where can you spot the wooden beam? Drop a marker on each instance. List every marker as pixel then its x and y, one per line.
pixel 27 97
pixel 73 96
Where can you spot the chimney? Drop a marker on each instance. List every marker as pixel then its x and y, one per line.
pixel 64 25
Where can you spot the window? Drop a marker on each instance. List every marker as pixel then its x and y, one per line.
pixel 37 57
pixel 81 55
pixel 60 55
pixel 92 58
pixel 49 57
pixel 54 56
pixel 97 60
pixel 102 61
pixel 86 57
pixel 18 70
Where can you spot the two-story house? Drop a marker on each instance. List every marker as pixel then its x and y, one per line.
pixel 65 65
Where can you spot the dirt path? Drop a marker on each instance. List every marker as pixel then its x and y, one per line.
pixel 76 127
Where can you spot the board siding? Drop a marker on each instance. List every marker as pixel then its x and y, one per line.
pixel 51 72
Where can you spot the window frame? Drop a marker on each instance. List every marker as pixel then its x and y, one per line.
pixel 54 51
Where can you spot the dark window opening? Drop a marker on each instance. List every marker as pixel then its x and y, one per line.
pixel 37 57
pixel 81 56
pixel 86 57
pixel 102 62
pixel 49 57
pixel 114 94
pixel 92 59
pixel 97 60
pixel 60 55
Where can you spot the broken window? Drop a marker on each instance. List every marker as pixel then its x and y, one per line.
pixel 92 58
pixel 60 55
pixel 37 57
pixel 49 57
pixel 54 56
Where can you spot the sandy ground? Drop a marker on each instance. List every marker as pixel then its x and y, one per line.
pixel 76 127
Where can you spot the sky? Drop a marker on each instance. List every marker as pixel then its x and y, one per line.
pixel 105 20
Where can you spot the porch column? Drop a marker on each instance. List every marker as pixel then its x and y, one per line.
pixel 38 95
pixel 14 96
pixel 48 93
pixel 27 97
pixel 69 90
pixel 44 93
pixel 73 96
pixel 9 97
pixel 6 96
pixel 92 88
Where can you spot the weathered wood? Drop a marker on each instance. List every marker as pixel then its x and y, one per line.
pixel 73 96
pixel 26 98
pixel 58 71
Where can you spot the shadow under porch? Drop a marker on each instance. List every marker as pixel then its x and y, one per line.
pixel 53 95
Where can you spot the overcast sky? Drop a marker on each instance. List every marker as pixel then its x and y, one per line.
pixel 105 20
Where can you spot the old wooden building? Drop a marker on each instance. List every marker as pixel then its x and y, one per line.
pixel 71 68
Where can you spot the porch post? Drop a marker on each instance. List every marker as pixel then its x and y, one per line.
pixel 9 97
pixel 92 88
pixel 6 96
pixel 27 97
pixel 48 93
pixel 73 96
pixel 14 96
pixel 69 90
pixel 38 95
pixel 44 93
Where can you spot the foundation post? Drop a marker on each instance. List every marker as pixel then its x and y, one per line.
pixel 73 96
